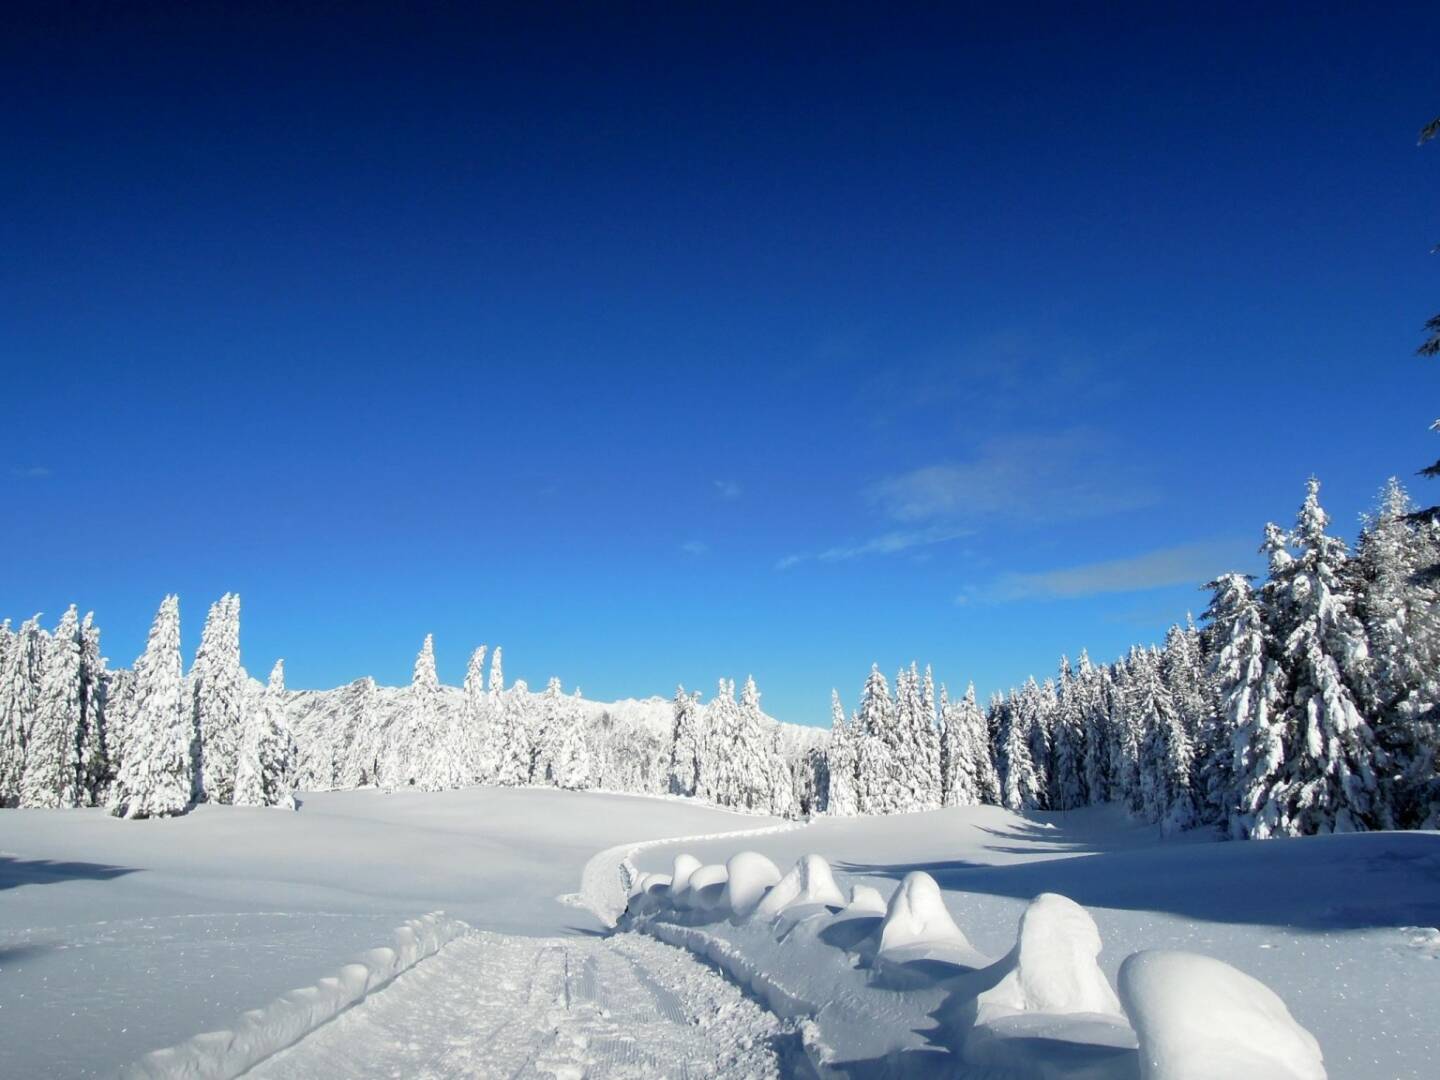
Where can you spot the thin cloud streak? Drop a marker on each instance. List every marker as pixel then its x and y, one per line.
pixel 1065 475
pixel 1184 564
pixel 890 543
pixel 728 490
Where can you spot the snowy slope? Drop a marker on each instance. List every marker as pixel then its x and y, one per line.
pixel 156 931
pixel 1328 923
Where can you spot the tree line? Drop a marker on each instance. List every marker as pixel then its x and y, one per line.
pixel 1305 705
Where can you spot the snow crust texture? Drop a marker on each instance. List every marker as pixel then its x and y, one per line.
pixel 1201 1019
pixel 219 1055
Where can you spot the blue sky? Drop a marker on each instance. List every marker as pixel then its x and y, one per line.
pixel 658 347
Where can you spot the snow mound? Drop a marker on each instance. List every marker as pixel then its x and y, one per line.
pixel 707 888
pixel 748 875
pixel 865 900
pixel 1053 967
pixel 685 865
pixel 918 926
pixel 219 1055
pixel 810 882
pixel 1200 1019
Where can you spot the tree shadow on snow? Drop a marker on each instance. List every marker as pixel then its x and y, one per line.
pixel 1311 883
pixel 16 872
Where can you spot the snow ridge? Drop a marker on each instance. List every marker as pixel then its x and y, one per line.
pixel 220 1055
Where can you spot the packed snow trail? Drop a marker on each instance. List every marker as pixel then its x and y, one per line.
pixel 496 1005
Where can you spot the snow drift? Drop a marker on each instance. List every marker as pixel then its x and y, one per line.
pixel 809 882
pixel 219 1055
pixel 1201 1019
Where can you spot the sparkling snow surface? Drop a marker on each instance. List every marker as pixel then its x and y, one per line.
pixel 117 938
pixel 120 937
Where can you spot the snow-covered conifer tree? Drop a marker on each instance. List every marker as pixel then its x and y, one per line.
pixel 156 774
pixel 481 753
pixel 971 777
pixel 1166 753
pixel 1238 647
pixel 878 788
pixel 1328 780
pixel 497 673
pixel 1035 706
pixel 19 704
pixel 265 761
pixel 571 766
pixel 516 727
pixel 1067 747
pixel 1092 689
pixel 52 767
pixel 841 762
pixel 217 687
pixel 685 748
pixel 1019 784
pixel 93 745
pixel 1398 601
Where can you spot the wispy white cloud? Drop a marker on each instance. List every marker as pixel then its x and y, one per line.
pixel 890 543
pixel 1184 564
pixel 728 490
pixel 1061 475
pixel 695 547
pixel 31 472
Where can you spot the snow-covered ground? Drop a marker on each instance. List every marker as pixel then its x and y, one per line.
pixel 1328 923
pixel 117 938
pixel 120 937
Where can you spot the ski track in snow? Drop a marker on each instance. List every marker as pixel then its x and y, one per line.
pixel 495 1005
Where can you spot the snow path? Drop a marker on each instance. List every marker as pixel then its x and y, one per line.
pixel 498 1005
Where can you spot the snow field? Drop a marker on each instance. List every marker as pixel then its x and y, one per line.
pixel 1046 1010
pixel 219 1055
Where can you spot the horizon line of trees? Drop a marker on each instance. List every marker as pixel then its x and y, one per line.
pixel 1306 705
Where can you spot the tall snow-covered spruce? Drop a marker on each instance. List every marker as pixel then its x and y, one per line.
pixel 217 687
pixel 263 774
pixel 52 775
pixel 156 773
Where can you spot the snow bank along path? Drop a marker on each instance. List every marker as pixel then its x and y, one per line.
pixel 292 1016
pixel 863 985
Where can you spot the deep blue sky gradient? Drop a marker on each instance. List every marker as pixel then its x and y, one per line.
pixel 662 345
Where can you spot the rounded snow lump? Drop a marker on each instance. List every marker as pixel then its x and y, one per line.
pixel 748 875
pixel 809 882
pixel 1200 1019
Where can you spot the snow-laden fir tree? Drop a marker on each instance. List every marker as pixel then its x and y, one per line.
pixel 1019 783
pixel 157 770
pixel 480 738
pixel 970 776
pixel 1067 748
pixel 497 673
pixel 1328 780
pixel 1092 691
pixel 93 743
pixel 1036 707
pixel 782 780
pixel 265 761
pixel 745 771
pixel 1182 666
pixel 1238 648
pixel 1398 601
pixel 517 740
pixel 571 764
pixel 19 703
pixel 879 773
pixel 841 762
pixel 52 766
pixel 1124 733
pixel 1166 753
pixel 360 740
pixel 685 744
pixel 435 750
pixel 217 687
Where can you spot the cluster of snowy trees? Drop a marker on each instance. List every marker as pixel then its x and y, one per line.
pixel 144 742
pixel 730 753
pixel 155 740
pixel 1307 705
